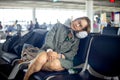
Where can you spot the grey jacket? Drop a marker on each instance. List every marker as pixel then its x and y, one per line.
pixel 56 40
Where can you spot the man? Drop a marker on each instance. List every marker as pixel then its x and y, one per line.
pixel 60 47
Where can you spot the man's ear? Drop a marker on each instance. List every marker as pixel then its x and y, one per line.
pixel 82 34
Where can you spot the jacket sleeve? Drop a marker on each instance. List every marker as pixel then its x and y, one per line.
pixel 69 56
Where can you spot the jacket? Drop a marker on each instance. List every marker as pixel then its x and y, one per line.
pixel 56 39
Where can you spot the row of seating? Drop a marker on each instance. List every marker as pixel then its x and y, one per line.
pixel 106 31
pixel 7 58
pixel 100 60
pixel 96 59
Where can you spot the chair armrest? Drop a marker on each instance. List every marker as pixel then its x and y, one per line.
pixel 16 68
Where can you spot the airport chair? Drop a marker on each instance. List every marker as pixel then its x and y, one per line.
pixel 119 31
pixel 104 57
pixel 102 60
pixel 79 61
pixel 7 58
pixel 110 31
pixel 35 41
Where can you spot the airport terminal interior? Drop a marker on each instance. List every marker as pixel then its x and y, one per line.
pixel 48 12
pixel 25 20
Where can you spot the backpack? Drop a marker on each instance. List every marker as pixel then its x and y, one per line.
pixel 29 52
pixel 15 43
pixel 9 44
pixel 35 38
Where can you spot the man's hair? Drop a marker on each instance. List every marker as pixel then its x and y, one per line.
pixel 88 21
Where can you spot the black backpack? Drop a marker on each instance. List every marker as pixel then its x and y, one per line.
pixel 35 38
pixel 10 43
pixel 15 43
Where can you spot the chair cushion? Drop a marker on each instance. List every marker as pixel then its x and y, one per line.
pixel 8 57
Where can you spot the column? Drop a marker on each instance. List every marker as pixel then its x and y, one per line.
pixel 33 14
pixel 89 10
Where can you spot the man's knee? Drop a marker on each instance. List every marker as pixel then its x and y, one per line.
pixel 55 65
pixel 41 58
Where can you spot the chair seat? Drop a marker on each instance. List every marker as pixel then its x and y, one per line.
pixel 8 57
pixel 85 76
pixel 44 74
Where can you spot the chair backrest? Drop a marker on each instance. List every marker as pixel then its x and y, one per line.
pixel 104 55
pixel 82 51
pixel 110 30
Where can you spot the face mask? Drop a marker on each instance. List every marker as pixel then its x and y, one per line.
pixel 82 34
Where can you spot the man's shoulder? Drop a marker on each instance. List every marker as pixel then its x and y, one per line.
pixel 60 26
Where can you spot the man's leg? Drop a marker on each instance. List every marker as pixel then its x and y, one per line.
pixel 54 65
pixel 36 64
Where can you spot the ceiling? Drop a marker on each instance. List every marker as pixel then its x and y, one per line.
pixel 99 5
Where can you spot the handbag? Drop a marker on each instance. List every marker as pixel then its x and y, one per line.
pixel 29 52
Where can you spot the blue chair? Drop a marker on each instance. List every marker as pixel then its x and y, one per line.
pixel 110 31
pixel 79 61
pixel 30 38
pixel 104 57
pixel 7 58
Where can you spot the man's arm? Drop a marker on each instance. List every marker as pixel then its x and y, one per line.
pixel 69 56
pixel 49 39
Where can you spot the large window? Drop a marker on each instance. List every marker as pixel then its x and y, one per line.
pixel 8 16
pixel 54 15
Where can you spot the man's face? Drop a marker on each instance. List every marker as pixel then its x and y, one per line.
pixel 79 25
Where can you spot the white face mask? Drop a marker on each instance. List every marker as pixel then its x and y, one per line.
pixel 82 34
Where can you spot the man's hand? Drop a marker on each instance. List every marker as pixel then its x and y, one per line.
pixel 52 55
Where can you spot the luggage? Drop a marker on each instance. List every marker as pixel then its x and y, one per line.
pixel 15 43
